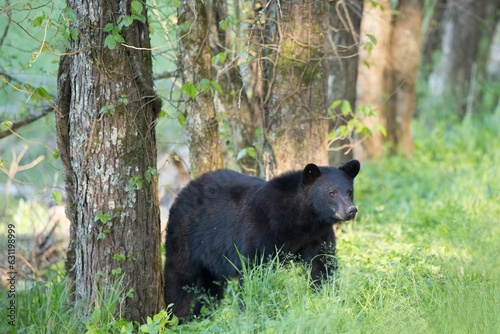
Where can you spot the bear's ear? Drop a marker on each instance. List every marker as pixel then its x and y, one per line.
pixel 311 172
pixel 351 168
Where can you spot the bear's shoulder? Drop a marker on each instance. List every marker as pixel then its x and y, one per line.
pixel 287 182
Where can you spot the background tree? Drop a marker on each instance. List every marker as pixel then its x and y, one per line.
pixel 272 65
pixel 106 113
pixel 195 63
pixel 227 42
pixel 465 25
pixel 343 46
pixel 294 79
pixel 388 73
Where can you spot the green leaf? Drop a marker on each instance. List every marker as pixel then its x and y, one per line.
pixel 136 7
pixel 252 152
pixel 118 38
pixel 119 257
pixel 125 22
pixel 101 235
pixel 135 182
pixel 223 24
pixel 141 18
pixel 335 104
pixel 190 89
pixel 380 128
pixel 150 173
pixel 219 58
pixel 116 271
pixel 181 119
pixel 175 3
pixel 108 109
pixel 345 107
pixel 123 99
pixel 204 84
pixel 37 21
pixel 372 39
pixel 57 197
pixel 74 34
pixel 69 13
pixel 110 42
pixel 241 154
pixel 41 92
pixel 216 86
pixel 103 217
pixel 56 154
pixel 340 131
pixel 108 27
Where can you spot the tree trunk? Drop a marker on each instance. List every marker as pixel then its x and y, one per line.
pixel 295 124
pixel 196 68
pixel 461 35
pixel 106 113
pixel 387 76
pixel 374 81
pixel 345 21
pixel 432 38
pixel 405 54
pixel 243 120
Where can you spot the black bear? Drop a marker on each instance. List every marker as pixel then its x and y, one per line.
pixel 224 212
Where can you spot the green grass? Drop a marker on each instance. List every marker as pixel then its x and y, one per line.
pixel 422 256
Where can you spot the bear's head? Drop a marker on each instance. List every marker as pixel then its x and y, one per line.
pixel 330 191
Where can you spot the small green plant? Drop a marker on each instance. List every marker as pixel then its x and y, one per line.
pixel 150 173
pixel 350 126
pixel 104 218
pixel 42 307
pixel 115 37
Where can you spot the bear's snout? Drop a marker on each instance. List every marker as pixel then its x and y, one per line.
pixel 351 212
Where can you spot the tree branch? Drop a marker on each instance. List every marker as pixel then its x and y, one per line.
pixel 166 75
pixel 9 20
pixel 25 121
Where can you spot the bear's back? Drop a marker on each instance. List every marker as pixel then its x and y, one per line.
pixel 214 189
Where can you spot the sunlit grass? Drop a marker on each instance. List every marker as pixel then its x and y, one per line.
pixel 422 256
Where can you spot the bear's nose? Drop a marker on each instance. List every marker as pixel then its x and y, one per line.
pixel 351 211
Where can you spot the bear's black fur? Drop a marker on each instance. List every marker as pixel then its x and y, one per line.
pixel 224 212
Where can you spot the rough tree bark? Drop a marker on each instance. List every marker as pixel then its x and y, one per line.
pixel 343 39
pixel 388 73
pixel 195 62
pixel 105 114
pixel 295 124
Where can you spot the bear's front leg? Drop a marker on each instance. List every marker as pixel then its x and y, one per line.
pixel 321 254
pixel 176 293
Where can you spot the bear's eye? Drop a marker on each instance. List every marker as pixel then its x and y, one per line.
pixel 349 193
pixel 332 193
